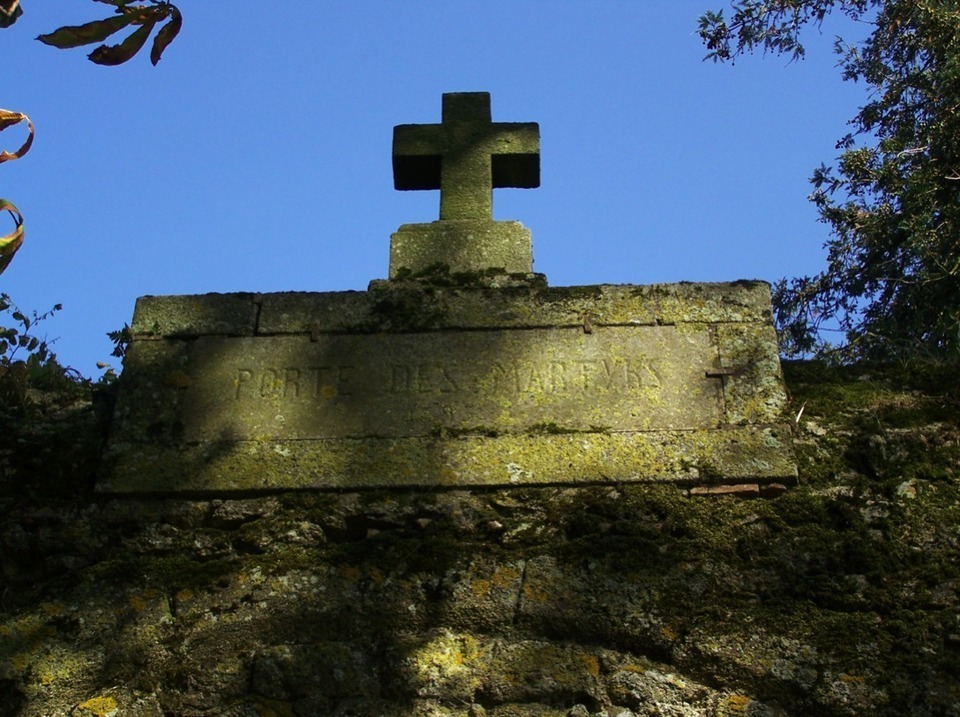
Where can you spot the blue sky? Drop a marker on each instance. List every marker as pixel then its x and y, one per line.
pixel 256 155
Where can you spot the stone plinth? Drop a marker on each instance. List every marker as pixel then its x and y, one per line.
pixel 461 246
pixel 427 386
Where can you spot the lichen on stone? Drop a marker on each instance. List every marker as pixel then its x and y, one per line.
pixel 839 597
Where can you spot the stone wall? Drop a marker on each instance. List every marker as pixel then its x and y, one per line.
pixel 839 597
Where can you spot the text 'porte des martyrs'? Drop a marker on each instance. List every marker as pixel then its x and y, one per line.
pixel 462 368
pixel 401 385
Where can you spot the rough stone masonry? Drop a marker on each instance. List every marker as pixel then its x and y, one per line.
pixel 463 368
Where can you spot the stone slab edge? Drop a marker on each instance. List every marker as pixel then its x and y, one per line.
pixel 437 308
pixel 732 455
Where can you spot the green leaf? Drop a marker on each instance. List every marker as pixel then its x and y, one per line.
pixel 118 54
pixel 166 35
pixel 96 31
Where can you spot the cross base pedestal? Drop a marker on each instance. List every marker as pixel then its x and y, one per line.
pixel 462 245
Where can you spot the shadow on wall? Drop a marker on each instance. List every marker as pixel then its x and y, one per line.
pixel 834 598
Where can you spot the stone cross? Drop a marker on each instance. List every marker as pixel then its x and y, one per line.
pixel 466 156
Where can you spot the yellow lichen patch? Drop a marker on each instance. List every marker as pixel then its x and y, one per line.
pixel 20 662
pixel 592 663
pixel 504 577
pixel 449 664
pixel 480 587
pixel 53 609
pixel 148 633
pixel 99 707
pixel 736 705
pixel 448 476
pixel 137 603
pixel 668 632
pixel 446 655
pixel 534 594
pixel 852 679
pixel 32 627
pixel 184 595
pixel 281 585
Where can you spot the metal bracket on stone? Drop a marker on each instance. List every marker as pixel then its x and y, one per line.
pixel 722 372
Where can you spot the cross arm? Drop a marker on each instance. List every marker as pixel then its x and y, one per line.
pixel 515 155
pixel 417 152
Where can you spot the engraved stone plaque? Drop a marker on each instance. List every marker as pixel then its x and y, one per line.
pixel 449 386
pixel 421 384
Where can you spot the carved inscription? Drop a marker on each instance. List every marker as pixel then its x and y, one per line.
pixel 327 382
pixel 292 382
pixel 570 376
pixel 616 378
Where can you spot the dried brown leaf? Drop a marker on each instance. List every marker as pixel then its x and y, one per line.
pixel 8 119
pixel 10 243
pixel 118 54
pixel 96 31
pixel 166 35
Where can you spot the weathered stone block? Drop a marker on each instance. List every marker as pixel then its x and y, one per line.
pixel 182 316
pixel 427 386
pixel 461 245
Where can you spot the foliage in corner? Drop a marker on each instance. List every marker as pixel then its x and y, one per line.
pixel 770 26
pixel 27 362
pixel 892 280
pixel 121 339
pixel 12 340
pixel 145 17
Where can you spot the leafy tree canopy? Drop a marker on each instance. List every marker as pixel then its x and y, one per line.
pixel 892 280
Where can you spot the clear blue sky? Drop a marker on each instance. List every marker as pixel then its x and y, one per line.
pixel 256 156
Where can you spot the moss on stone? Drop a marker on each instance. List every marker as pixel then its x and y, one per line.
pixel 839 597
